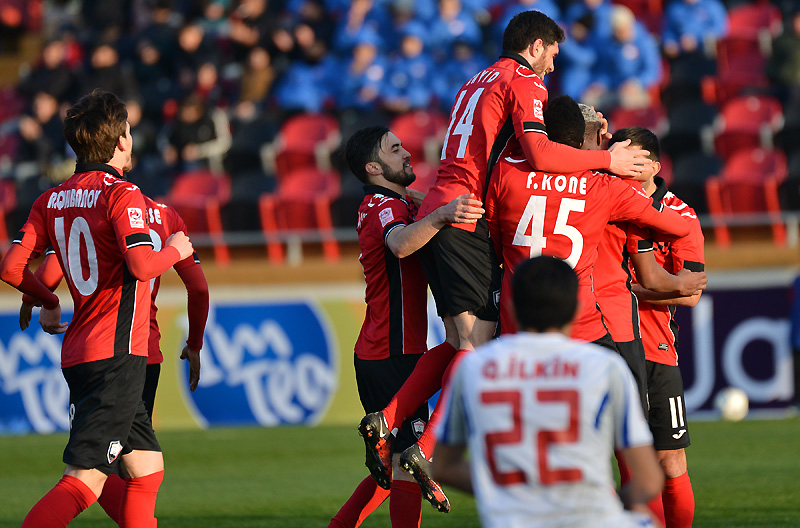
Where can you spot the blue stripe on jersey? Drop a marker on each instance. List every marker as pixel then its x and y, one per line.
pixel 626 441
pixel 601 409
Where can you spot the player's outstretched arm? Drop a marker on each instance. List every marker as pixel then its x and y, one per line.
pixel 665 299
pixel 197 307
pixel 647 477
pixel 653 277
pixel 14 271
pixel 405 240
pixel 450 466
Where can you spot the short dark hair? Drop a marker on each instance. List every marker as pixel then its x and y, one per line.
pixel 545 294
pixel 94 124
pixel 526 27
pixel 640 137
pixel 363 147
pixel 564 121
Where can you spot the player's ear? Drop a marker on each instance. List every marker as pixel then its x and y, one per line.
pixel 536 48
pixel 656 167
pixel 373 168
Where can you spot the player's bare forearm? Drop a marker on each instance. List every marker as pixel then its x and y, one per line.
pixel 450 467
pixel 405 240
pixel 664 298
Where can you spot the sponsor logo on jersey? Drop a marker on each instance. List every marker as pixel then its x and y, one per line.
pixel 114 449
pixel 663 346
pixel 538 109
pixel 386 216
pixel 136 218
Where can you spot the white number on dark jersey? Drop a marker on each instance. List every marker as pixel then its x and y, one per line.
pixel 533 216
pixel 71 254
pixel 464 126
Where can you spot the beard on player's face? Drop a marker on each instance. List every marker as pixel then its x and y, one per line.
pixel 404 177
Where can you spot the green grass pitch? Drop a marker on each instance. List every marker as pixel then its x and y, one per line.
pixel 744 475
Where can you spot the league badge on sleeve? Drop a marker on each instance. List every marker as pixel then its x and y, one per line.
pixel 136 218
pixel 386 216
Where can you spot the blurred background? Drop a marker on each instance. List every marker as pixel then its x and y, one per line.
pixel 239 109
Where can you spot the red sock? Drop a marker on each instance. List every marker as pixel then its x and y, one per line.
pixel 624 470
pixel 405 504
pixel 428 439
pixel 657 507
pixel 423 383
pixel 111 498
pixel 60 505
pixel 364 500
pixel 139 502
pixel 678 499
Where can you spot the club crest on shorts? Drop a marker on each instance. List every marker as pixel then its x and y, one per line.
pixel 418 426
pixel 114 449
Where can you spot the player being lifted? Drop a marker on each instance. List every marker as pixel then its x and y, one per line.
pixel 501 104
pixel 563 215
pixel 660 336
pixel 163 222
pixel 393 336
pixel 540 414
pixel 96 223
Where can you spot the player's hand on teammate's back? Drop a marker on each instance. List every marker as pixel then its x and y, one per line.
pixel 180 242
pixel 51 320
pixel 464 209
pixel 194 366
pixel 693 282
pixel 627 162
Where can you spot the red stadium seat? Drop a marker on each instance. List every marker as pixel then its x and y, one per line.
pixel 746 122
pixel 740 65
pixel 422 133
pixel 302 202
pixel 653 117
pixel 748 183
pixel 198 197
pixel 648 12
pixel 753 18
pixel 305 140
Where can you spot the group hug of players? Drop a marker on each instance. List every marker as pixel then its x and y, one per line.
pixel 520 177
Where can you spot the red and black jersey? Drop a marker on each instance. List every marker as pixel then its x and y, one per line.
pixel 613 277
pixel 504 100
pixel 164 221
pixel 659 330
pixel 91 220
pixel 562 215
pixel 396 321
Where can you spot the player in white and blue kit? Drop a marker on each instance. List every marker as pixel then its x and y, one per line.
pixel 541 415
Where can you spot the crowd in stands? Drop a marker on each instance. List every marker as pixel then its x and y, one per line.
pixel 211 83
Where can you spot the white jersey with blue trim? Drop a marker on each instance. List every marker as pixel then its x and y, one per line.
pixel 541 415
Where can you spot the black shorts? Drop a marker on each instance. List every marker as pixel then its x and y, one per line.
pixel 107 415
pixel 153 372
pixel 667 409
pixel 606 342
pixel 378 381
pixel 463 272
pixel 633 353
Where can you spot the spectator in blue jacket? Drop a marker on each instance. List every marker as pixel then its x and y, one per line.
pixel 689 23
pixel 452 23
pixel 628 65
pixel 577 57
pixel 357 81
pixel 363 17
pixel 452 73
pixel 600 11
pixel 408 82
